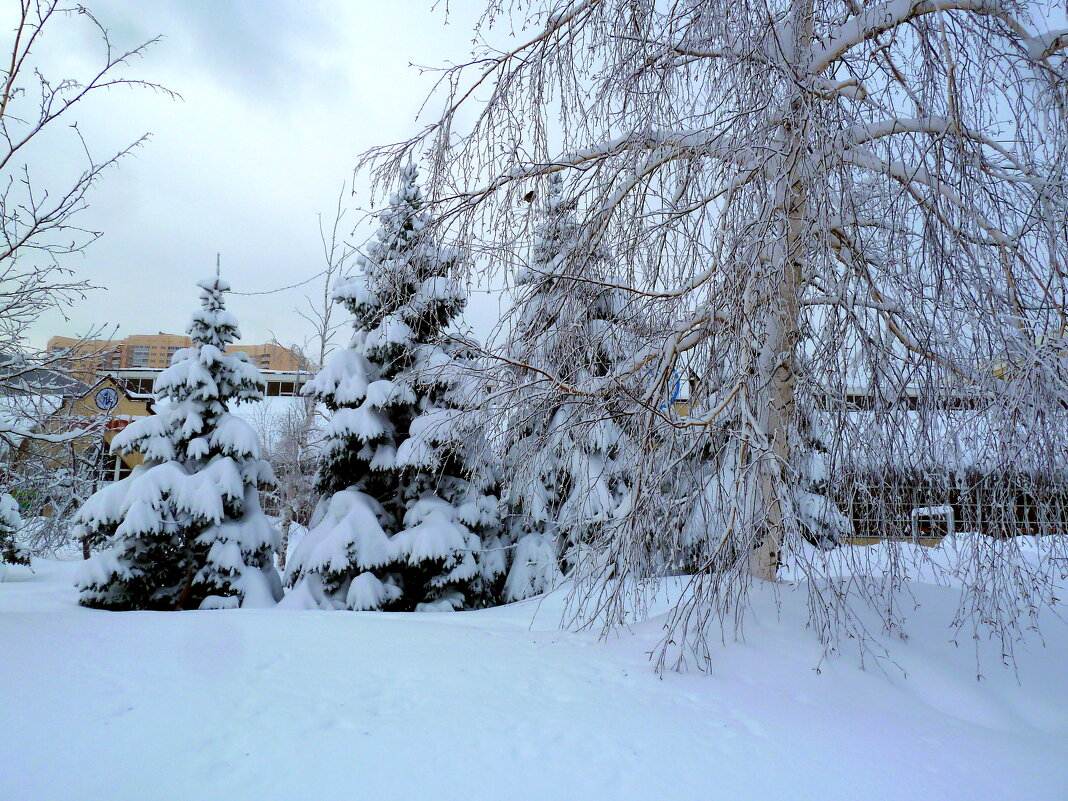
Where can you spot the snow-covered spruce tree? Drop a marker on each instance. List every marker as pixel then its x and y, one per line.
pixel 820 519
pixel 408 520
pixel 809 199
pixel 565 479
pixel 186 530
pixel 10 522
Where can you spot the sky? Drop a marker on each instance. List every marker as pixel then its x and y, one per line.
pixel 278 99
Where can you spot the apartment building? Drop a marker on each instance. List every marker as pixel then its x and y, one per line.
pixel 154 351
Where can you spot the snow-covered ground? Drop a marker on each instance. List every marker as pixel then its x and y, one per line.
pixel 499 704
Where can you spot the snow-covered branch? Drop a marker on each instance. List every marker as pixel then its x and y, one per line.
pixel 877 19
pixel 1044 45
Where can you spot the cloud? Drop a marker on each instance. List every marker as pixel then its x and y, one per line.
pixel 258 50
pixel 279 99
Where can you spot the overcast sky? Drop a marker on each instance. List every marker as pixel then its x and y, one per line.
pixel 279 98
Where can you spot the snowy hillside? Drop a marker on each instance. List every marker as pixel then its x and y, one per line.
pixel 500 704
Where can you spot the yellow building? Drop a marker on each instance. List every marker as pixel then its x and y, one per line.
pixel 154 351
pixel 104 409
pixel 95 416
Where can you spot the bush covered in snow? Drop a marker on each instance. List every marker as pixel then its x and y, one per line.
pixel 10 523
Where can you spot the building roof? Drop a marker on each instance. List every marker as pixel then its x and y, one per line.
pixel 20 376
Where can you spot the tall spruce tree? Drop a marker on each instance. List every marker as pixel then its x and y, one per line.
pixel 565 478
pixel 409 519
pixel 186 530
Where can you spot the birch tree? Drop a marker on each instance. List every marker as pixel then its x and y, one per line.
pixel 809 197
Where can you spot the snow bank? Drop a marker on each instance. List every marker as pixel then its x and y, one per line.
pixel 499 704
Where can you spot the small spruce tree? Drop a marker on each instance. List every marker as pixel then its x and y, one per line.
pixel 10 522
pixel 185 530
pixel 821 521
pixel 408 519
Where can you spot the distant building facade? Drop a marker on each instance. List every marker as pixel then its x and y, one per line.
pixel 154 351
pixel 138 381
pixel 100 411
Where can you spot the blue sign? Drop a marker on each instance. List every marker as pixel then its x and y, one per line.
pixel 674 387
pixel 106 399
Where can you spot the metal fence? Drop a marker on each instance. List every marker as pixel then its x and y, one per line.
pixel 931 505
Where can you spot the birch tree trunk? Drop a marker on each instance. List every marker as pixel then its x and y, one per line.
pixel 776 358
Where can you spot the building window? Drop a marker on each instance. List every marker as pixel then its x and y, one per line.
pixel 276 389
pixel 140 386
pixel 139 355
pixel 119 470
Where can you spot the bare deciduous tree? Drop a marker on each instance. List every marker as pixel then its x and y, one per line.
pixel 293 438
pixel 839 217
pixel 39 223
pixel 39 210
